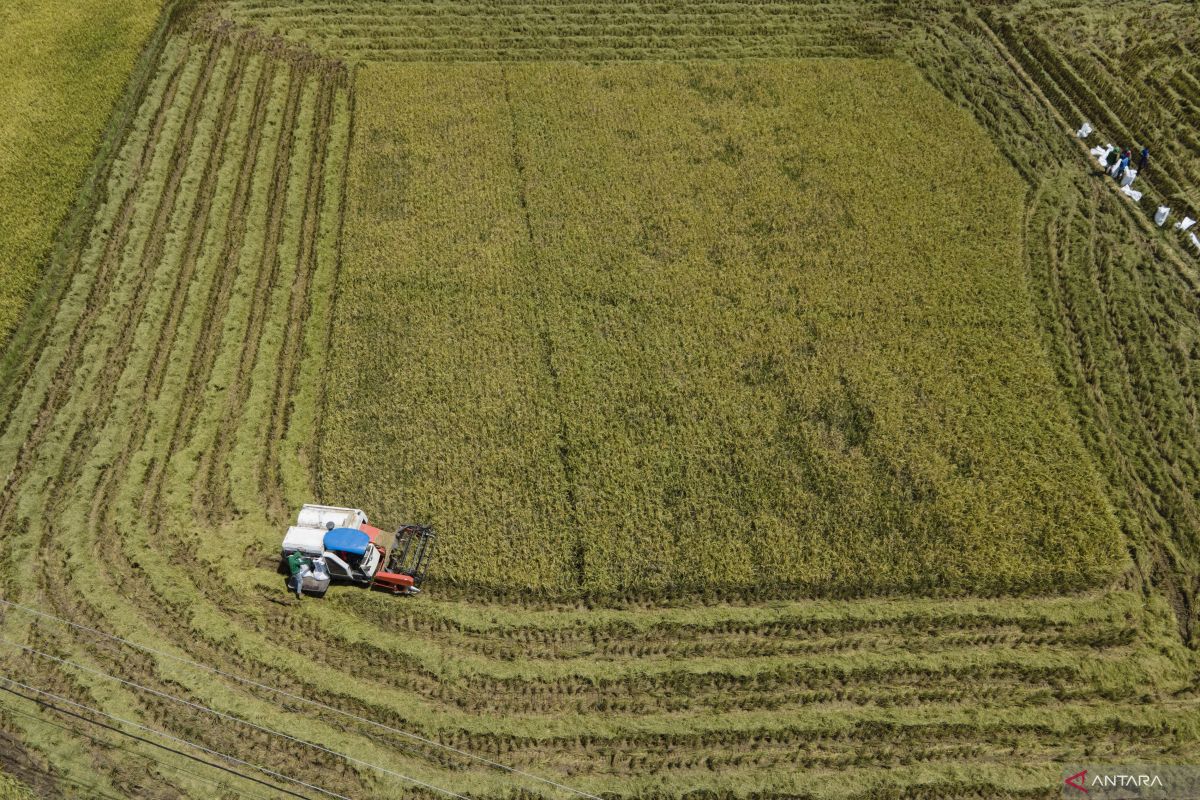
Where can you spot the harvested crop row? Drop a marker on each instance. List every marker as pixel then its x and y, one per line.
pixel 596 31
pixel 1094 78
pixel 208 115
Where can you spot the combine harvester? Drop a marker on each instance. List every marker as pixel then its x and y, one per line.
pixel 355 552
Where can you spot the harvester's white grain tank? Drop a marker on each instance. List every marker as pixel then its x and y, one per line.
pixel 309 541
pixel 314 516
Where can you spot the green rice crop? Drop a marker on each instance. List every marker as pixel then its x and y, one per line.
pixel 64 66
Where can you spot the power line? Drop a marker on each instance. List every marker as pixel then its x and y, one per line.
pixel 159 762
pixel 233 718
pixel 314 703
pixel 173 738
pixel 23 768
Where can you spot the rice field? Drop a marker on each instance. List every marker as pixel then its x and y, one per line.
pixel 304 272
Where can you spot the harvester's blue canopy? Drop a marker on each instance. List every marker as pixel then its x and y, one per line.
pixel 347 540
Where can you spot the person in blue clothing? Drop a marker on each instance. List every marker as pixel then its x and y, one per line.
pixel 1123 164
pixel 1144 159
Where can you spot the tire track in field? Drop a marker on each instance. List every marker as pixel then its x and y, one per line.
pixel 214 464
pixel 207 346
pixel 236 215
pixel 752 743
pixel 476 690
pixel 102 520
pixel 101 516
pixel 184 551
pixel 117 471
pixel 683 692
pixel 759 746
pixel 170 716
pixel 155 108
pixel 288 361
pixel 168 614
pixel 768 642
pixel 275 752
pixel 99 413
pixel 1072 734
pixel 318 479
pixel 203 355
pixel 546 341
pixel 1141 494
pixel 58 681
pixel 630 628
pixel 194 238
pixel 1168 568
pixel 166 338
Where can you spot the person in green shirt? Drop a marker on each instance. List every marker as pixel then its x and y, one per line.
pixel 300 567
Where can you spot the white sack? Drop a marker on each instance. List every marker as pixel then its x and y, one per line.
pixel 1187 223
pixel 1085 131
pixel 1101 153
pixel 320 570
pixel 1137 196
pixel 1160 217
pixel 1195 241
pixel 1127 178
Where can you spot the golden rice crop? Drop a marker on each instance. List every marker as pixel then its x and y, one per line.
pixel 689 327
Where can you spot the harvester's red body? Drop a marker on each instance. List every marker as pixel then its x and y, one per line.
pixel 395 581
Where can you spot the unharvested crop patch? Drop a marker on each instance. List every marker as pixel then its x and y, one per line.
pixel 699 326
